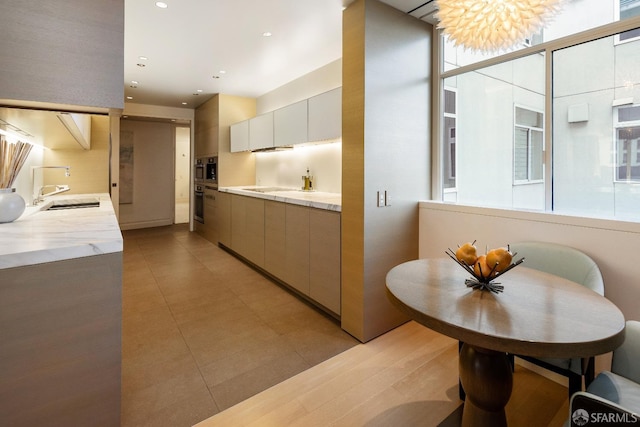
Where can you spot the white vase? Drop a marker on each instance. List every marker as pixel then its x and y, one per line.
pixel 12 205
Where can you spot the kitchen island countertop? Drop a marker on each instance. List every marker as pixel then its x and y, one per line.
pixel 41 236
pixel 313 199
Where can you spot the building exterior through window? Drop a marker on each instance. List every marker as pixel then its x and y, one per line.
pixel 512 139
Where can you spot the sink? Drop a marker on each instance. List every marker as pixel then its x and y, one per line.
pixel 72 204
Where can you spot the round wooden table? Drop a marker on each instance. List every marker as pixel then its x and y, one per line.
pixel 538 314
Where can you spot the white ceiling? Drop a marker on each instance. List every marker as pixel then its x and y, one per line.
pixel 193 40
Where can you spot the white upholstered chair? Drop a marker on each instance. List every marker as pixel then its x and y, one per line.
pixel 573 265
pixel 616 391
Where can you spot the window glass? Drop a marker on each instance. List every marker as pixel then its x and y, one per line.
pixel 494 137
pixel 449 140
pixel 528 146
pixel 521 154
pixel 498 146
pixel 627 142
pixel 591 13
pixel 629 114
pixel 629 9
pixel 596 130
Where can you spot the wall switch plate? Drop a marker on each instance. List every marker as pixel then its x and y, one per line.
pixel 381 199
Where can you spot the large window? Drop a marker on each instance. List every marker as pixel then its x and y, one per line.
pixel 554 130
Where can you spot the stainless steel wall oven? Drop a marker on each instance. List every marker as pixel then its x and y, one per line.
pixel 198 211
pixel 199 171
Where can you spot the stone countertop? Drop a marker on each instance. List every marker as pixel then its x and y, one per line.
pixel 313 199
pixel 40 236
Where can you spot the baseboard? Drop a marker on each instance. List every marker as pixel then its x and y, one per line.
pixel 146 224
pixel 562 380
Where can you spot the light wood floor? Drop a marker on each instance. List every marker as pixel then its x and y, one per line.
pixel 407 377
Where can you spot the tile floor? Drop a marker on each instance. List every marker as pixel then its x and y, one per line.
pixel 202 331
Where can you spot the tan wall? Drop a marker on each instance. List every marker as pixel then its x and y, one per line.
pixel 386 98
pixel 89 168
pixel 611 244
pixel 235 168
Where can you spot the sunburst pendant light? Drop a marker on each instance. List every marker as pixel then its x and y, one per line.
pixel 493 25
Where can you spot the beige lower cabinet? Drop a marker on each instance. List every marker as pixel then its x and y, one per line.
pixel 297 244
pixel 297 247
pixel 274 238
pixel 238 224
pixel 324 258
pixel 255 231
pixel 247 228
pixel 223 218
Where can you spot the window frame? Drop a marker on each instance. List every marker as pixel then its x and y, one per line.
pixel 617 39
pixel 617 125
pixel 442 72
pixel 529 145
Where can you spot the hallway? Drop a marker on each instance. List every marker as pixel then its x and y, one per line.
pixel 202 331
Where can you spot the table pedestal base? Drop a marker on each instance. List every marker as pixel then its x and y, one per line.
pixel 487 380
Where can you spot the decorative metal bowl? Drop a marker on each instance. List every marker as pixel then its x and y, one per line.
pixel 484 282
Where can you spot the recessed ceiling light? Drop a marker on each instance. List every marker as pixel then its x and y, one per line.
pixel 142 58
pixel 184 103
pixel 199 91
pixel 129 97
pixel 134 82
pixel 267 34
pixel 162 5
pixel 222 72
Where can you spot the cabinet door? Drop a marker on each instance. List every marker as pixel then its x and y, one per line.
pixel 223 218
pixel 209 231
pixel 238 221
pixel 261 131
pixel 297 247
pixel 206 129
pixel 274 238
pixel 240 136
pixel 325 116
pixel 290 124
pixel 324 256
pixel 254 231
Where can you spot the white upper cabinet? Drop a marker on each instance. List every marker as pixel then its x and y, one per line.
pixel 290 124
pixel 240 136
pixel 311 120
pixel 261 131
pixel 325 116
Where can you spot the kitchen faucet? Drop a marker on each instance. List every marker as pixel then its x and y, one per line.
pixel 38 195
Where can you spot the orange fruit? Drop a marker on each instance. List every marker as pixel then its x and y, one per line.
pixel 481 268
pixel 500 258
pixel 467 254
